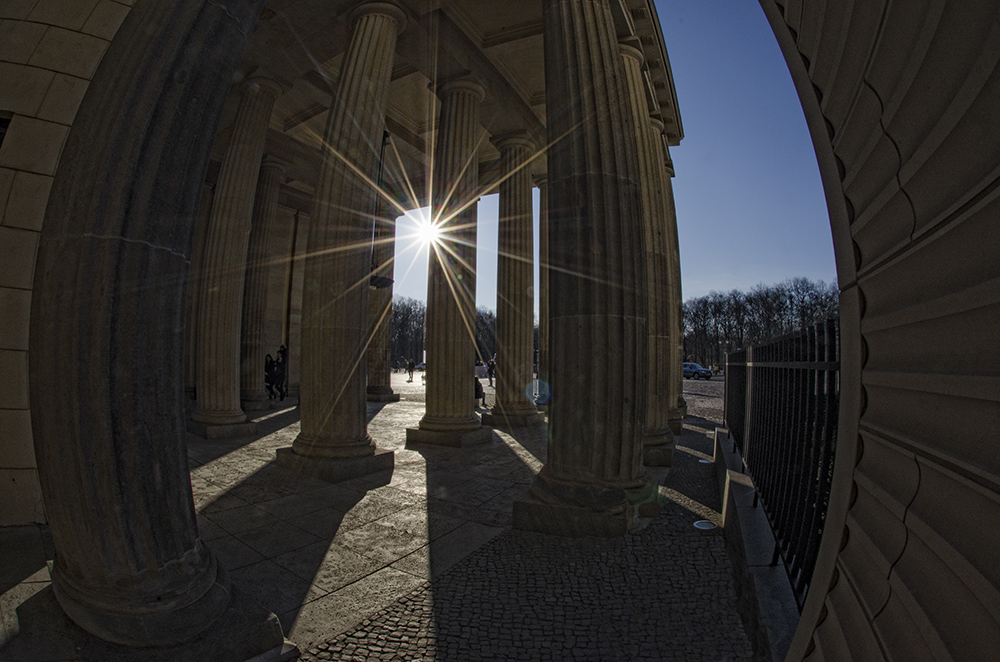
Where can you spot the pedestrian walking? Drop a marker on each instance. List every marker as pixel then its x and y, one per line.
pixel 410 367
pixel 280 373
pixel 491 370
pixel 269 377
pixel 480 393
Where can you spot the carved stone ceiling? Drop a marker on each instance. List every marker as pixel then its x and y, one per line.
pixel 302 42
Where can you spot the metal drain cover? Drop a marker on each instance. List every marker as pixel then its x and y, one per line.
pixel 704 524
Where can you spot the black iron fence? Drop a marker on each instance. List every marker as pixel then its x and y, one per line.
pixel 781 411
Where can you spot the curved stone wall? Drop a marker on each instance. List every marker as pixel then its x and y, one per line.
pixel 49 51
pixel 901 99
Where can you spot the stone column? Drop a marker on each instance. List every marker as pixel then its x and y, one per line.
pixel 333 443
pixel 515 287
pixel 543 290
pixel 593 482
pixel 217 410
pixel 253 394
pixel 107 330
pixel 658 440
pixel 380 311
pixel 675 314
pixel 450 417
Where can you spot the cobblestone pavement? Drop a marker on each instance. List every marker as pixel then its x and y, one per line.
pixel 663 593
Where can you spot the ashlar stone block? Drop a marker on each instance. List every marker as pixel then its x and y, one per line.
pixel 26 202
pixel 69 52
pixel 32 144
pixel 69 14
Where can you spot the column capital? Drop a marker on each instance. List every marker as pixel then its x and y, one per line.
pixel 262 80
pixel 271 162
pixel 463 83
pixel 656 123
pixel 389 9
pixel 540 180
pixel 517 139
pixel 630 47
pixel 668 163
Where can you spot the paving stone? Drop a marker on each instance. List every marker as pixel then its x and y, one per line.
pixel 232 553
pixel 329 566
pixel 274 539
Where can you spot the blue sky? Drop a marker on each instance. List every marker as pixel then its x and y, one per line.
pixel 750 206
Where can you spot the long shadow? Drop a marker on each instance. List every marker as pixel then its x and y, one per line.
pixel 275 532
pixel 25 550
pixel 470 496
pixel 202 451
pixel 702 423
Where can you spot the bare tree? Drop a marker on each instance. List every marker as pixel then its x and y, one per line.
pixel 721 322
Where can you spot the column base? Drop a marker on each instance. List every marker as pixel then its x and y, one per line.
pixel 575 511
pixel 451 438
pixel 383 397
pixel 243 632
pixel 658 448
pixel 207 431
pixel 501 419
pixel 254 400
pixel 335 470
pixel 675 421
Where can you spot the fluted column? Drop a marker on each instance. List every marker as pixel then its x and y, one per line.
pixel 675 313
pixel 515 287
pixel 593 481
pixel 332 395
pixel 252 392
pixel 217 364
pixel 658 440
pixel 107 329
pixel 543 289
pixel 380 311
pixel 450 417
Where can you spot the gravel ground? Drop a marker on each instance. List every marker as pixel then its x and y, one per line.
pixel 705 399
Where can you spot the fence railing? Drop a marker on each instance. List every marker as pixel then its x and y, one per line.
pixel 781 410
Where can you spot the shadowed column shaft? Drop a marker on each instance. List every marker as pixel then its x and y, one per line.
pixel 675 314
pixel 107 328
pixel 543 279
pixel 598 320
pixel 657 437
pixel 337 267
pixel 380 307
pixel 258 274
pixel 220 313
pixel 451 283
pixel 515 282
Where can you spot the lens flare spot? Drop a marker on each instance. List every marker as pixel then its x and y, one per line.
pixel 428 232
pixel 539 392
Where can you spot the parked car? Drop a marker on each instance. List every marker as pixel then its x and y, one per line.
pixel 695 371
pixel 421 366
